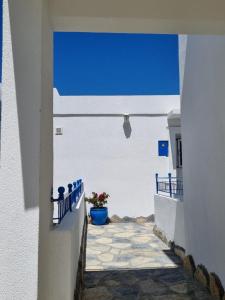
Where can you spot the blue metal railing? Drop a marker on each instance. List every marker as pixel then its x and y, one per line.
pixel 65 202
pixel 169 185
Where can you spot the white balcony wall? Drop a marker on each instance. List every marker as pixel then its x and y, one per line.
pixel 65 241
pixel 96 149
pixel 169 217
pixel 203 132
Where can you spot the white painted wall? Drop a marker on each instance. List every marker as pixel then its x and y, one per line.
pixel 26 150
pixel 182 41
pixel 26 147
pixel 169 217
pixel 203 132
pixel 173 16
pixel 96 149
pixel 65 240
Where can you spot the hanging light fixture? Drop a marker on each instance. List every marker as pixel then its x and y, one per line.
pixel 126 117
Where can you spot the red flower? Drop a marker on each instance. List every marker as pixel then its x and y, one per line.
pixel 101 197
pixel 97 200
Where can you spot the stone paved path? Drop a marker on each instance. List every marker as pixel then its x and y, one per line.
pixel 127 261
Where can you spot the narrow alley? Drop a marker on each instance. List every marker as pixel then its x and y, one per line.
pixel 127 261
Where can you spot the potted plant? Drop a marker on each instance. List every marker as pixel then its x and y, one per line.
pixel 98 213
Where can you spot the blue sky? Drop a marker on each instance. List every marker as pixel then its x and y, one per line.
pixel 116 64
pixel 113 64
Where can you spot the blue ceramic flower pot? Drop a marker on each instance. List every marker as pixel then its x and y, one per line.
pixel 99 216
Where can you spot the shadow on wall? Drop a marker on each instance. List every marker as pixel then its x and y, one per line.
pixel 127 127
pixel 179 230
pixel 174 133
pixel 27 92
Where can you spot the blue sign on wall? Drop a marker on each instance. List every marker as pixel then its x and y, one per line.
pixel 163 148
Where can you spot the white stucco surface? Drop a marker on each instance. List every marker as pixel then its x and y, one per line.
pixel 96 149
pixel 203 132
pixel 26 143
pixel 115 104
pixel 173 16
pixel 21 173
pixel 26 150
pixel 182 41
pixel 65 240
pixel 169 217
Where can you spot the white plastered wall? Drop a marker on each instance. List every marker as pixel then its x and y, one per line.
pixel 203 132
pixel 96 149
pixel 169 218
pixel 65 242
pixel 26 154
pixel 172 16
pixel 26 149
pixel 182 42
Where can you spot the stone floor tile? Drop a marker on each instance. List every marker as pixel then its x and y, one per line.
pixel 98 293
pixel 105 257
pixel 126 261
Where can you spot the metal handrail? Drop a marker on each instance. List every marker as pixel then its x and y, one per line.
pixel 66 202
pixel 170 185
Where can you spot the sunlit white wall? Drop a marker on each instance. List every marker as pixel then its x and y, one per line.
pixel 96 149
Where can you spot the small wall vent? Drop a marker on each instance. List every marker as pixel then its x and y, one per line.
pixel 58 131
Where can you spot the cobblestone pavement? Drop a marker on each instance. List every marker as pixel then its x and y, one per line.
pixel 127 261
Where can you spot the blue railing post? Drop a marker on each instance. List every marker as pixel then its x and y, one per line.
pixel 157 182
pixel 170 184
pixel 61 191
pixel 75 191
pixel 70 188
pixel 80 186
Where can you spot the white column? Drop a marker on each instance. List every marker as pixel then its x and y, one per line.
pixel 26 150
pixel 203 135
pixel 182 43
